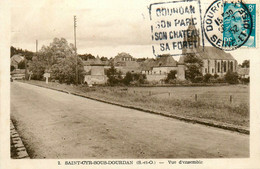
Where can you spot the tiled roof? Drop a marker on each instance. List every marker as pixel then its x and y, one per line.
pixel 213 53
pixel 17 58
pixel 165 61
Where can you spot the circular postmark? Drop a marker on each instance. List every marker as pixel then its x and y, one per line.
pixel 227 26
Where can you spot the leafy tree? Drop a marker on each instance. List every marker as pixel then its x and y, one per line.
pixel 246 64
pixel 87 56
pixel 114 76
pixel 56 53
pixel 38 66
pixel 104 58
pixel 193 65
pixel 171 76
pixel 128 78
pixel 28 54
pixel 231 77
pixel 65 70
pixel 58 48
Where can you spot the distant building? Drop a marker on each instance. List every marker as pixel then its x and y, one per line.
pixel 15 60
pixel 95 71
pixel 18 74
pixel 158 69
pixel 215 61
pixel 124 62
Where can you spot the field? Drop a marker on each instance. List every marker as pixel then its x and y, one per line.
pixel 235 95
pixel 227 105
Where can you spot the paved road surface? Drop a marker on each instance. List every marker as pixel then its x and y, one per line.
pixel 58 125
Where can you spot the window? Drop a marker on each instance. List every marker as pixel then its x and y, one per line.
pixel 218 67
pixel 212 70
pixel 231 66
pixel 225 66
pixel 206 71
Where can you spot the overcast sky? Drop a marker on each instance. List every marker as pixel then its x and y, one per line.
pixel 104 27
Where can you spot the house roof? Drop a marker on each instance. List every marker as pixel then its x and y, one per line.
pixel 211 52
pixel 95 61
pixel 17 58
pixel 148 64
pixel 165 61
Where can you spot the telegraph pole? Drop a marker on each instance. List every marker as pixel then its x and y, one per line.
pixel 75 43
pixel 36 46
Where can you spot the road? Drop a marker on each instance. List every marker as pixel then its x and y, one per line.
pixel 53 124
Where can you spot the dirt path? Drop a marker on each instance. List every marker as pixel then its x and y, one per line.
pixel 58 125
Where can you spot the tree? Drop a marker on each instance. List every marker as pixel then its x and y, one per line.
pixel 28 54
pixel 58 48
pixel 193 65
pixel 231 77
pixel 87 56
pixel 65 70
pixel 171 76
pixel 128 78
pixel 114 76
pixel 104 58
pixel 37 66
pixel 246 64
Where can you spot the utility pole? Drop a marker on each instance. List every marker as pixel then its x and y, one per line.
pixel 36 49
pixel 75 25
pixel 36 46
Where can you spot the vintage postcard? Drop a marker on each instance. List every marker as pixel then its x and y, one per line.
pixel 130 84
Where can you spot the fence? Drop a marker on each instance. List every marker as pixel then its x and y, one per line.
pixel 217 97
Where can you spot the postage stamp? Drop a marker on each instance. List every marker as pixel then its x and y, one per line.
pixel 176 27
pixel 251 42
pixel 229 25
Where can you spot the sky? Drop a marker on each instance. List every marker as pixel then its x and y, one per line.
pixel 104 28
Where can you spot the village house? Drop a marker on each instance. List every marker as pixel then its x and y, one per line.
pixel 158 69
pixel 95 71
pixel 124 62
pixel 15 60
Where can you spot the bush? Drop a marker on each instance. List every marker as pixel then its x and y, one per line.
pixel 207 77
pixel 12 68
pixel 216 76
pixel 114 76
pixel 245 80
pixel 134 78
pixel 171 76
pixel 231 77
pixel 192 72
pixel 198 79
pixel 128 78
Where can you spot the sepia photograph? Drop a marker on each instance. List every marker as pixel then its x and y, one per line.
pixel 132 83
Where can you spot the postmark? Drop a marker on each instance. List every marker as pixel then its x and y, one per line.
pixel 175 26
pixel 227 26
